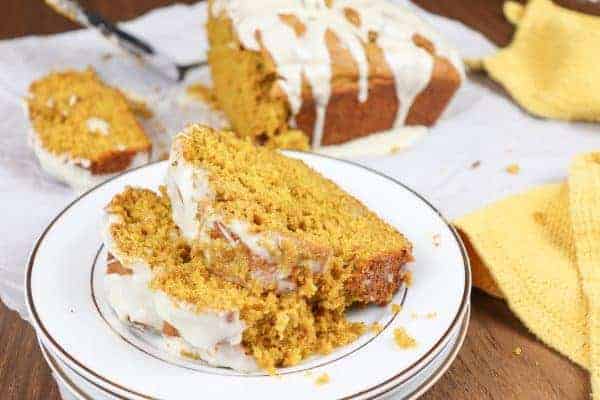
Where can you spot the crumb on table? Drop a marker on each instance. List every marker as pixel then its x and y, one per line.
pixel 517 351
pixel 408 279
pixel 395 149
pixel 476 164
pixel 437 240
pixel 376 327
pixel 403 339
pixel 323 379
pixel 513 169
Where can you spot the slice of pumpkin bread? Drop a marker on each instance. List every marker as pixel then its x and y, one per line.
pixel 261 217
pixel 154 281
pixel 83 130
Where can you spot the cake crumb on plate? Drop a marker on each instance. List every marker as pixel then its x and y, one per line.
pixel 323 379
pixel 396 308
pixel 403 339
pixel 408 279
pixel 429 315
pixel 376 327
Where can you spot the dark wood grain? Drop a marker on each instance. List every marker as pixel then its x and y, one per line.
pixel 23 371
pixel 486 367
pixel 483 15
pixel 28 17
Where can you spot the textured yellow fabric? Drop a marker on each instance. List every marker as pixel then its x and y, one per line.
pixel 513 11
pixel 540 251
pixel 479 271
pixel 525 244
pixel 584 197
pixel 551 66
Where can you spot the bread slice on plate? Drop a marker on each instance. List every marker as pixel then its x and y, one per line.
pixel 247 258
pixel 259 217
pixel 155 281
pixel 83 131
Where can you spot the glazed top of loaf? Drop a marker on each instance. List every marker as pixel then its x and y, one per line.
pixel 315 41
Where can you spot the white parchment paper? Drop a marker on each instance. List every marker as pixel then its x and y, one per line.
pixel 482 125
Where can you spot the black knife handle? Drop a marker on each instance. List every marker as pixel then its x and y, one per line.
pixel 110 29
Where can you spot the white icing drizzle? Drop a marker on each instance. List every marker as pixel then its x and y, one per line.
pixel 306 55
pixel 97 125
pixel 213 335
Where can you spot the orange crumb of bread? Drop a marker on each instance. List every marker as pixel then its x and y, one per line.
pixel 403 340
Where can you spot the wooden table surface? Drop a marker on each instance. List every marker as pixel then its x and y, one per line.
pixel 486 367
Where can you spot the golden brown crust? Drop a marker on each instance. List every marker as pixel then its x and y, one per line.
pixel 347 118
pixel 379 278
pixel 115 161
pixel 113 266
pixel 169 330
pixel 431 102
pixel 445 80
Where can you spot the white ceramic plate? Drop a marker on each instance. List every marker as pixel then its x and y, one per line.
pixel 76 387
pixel 66 305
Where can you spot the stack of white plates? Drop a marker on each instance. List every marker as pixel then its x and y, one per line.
pixel 94 356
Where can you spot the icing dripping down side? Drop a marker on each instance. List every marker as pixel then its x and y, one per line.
pixel 305 55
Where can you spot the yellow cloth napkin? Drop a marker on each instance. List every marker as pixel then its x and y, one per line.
pixel 551 66
pixel 584 199
pixel 540 251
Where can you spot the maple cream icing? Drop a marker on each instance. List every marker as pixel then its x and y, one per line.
pixel 215 336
